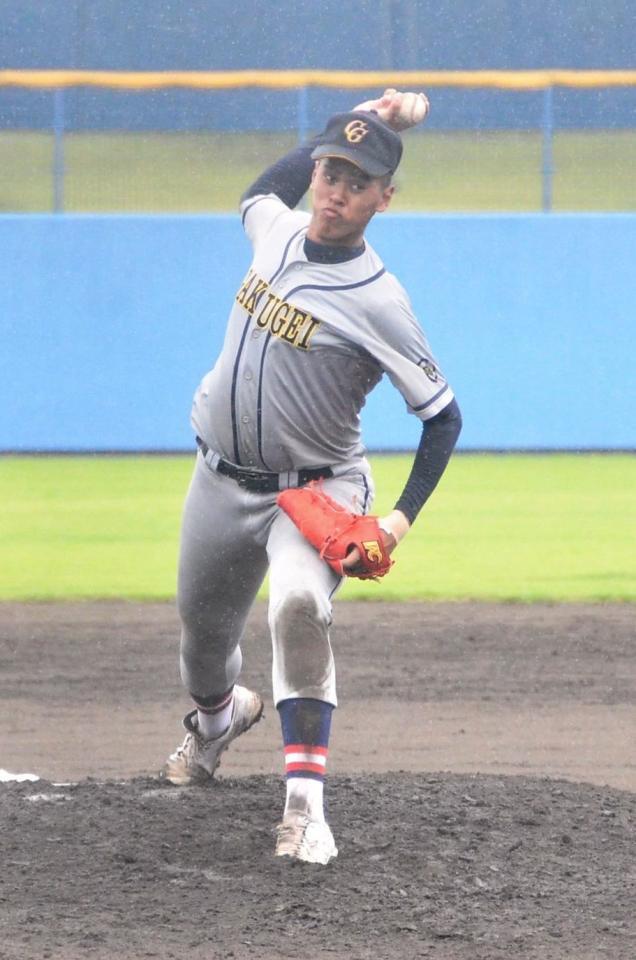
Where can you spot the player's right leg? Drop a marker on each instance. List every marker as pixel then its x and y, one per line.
pixel 304 685
pixel 221 568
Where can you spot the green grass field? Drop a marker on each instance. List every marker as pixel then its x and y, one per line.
pixel 463 171
pixel 510 527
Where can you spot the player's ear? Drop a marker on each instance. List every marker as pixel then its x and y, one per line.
pixel 385 200
pixel 314 173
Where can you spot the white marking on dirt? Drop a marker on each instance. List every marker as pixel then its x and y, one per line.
pixel 7 777
pixel 48 797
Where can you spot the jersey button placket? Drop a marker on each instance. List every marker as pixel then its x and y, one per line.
pixel 246 401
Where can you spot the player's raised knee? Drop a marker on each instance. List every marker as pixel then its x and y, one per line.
pixel 299 612
pixel 300 632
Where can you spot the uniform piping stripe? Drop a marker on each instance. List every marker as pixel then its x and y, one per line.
pixel 423 406
pixel 249 207
pixel 285 252
pixel 233 392
pixel 367 494
pixel 344 286
pixel 340 579
pixel 259 402
pixel 235 436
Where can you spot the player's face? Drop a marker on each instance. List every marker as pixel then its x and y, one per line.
pixel 344 200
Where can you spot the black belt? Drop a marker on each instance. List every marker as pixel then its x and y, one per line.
pixel 261 481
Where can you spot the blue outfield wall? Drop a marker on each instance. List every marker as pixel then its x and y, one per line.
pixel 108 322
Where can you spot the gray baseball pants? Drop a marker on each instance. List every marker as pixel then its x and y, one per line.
pixel 230 537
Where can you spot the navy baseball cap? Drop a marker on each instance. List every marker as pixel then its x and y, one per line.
pixel 362 138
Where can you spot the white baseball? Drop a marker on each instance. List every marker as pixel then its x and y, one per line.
pixel 399 110
pixel 413 108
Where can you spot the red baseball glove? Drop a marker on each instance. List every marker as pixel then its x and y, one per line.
pixel 335 532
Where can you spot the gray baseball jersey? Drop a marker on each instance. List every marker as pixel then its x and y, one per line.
pixel 305 343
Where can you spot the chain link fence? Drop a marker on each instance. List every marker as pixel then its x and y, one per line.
pixel 81 141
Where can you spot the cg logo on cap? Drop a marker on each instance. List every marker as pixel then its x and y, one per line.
pixel 355 131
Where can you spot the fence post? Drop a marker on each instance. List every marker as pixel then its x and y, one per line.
pixel 302 114
pixel 547 151
pixel 58 150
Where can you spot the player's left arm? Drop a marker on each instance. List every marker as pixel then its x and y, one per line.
pixel 403 352
pixel 437 442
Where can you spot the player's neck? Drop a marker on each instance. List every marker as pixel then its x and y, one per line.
pixel 318 252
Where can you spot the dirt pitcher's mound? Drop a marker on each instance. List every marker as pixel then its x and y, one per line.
pixel 462 867
pixel 473 863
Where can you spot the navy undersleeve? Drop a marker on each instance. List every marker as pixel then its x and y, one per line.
pixel 439 436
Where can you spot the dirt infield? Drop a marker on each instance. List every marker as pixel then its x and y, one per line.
pixel 482 791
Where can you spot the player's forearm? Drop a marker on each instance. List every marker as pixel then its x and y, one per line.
pixel 288 178
pixel 438 441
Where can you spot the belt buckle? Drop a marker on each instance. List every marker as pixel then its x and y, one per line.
pixel 252 479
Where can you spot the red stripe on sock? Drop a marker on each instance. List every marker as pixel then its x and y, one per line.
pixel 221 705
pixel 309 767
pixel 306 748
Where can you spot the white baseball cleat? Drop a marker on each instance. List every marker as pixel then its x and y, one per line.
pixel 302 838
pixel 195 761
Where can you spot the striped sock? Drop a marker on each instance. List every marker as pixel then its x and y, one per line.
pixel 306 725
pixel 305 760
pixel 214 714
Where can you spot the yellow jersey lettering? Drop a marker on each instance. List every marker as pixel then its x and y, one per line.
pixel 245 286
pixel 292 330
pixel 263 318
pixel 279 317
pixel 308 332
pixel 283 319
pixel 256 294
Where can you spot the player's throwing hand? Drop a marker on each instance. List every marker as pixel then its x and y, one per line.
pixel 399 110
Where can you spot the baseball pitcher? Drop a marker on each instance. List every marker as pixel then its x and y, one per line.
pixel 281 481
